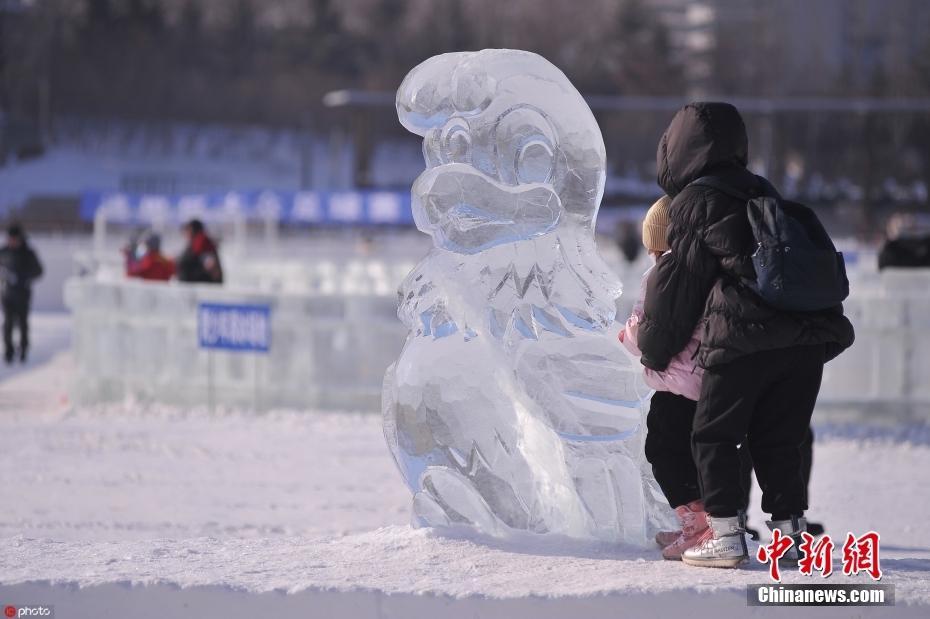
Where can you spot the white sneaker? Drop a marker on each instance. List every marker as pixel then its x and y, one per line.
pixel 722 545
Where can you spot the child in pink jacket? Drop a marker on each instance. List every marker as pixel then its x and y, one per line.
pixel 683 375
pixel 671 411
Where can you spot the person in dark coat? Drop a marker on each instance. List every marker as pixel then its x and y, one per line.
pixel 19 268
pixel 200 261
pixel 906 246
pixel 763 366
pixel 628 241
pixel 908 253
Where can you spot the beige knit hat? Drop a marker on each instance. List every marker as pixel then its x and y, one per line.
pixel 655 225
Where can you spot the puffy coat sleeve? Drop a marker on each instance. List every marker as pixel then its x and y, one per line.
pixel 677 288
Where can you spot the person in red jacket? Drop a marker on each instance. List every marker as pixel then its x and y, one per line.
pixel 152 265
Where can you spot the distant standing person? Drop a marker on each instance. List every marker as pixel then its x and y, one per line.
pixel 19 267
pixel 628 241
pixel 200 261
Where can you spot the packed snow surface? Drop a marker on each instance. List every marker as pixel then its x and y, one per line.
pixel 145 511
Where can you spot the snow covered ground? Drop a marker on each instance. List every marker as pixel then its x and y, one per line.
pixel 152 512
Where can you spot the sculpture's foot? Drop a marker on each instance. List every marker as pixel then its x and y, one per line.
pixel 427 512
pixel 449 498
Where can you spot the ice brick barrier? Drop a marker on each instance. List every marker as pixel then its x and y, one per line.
pixel 333 337
pixel 140 339
pixel 888 368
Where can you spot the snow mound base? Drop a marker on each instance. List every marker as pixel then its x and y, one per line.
pixel 391 572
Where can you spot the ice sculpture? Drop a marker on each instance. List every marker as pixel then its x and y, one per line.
pixel 512 406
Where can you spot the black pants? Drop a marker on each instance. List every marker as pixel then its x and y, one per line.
pixel 766 399
pixel 668 446
pixel 15 315
pixel 807 462
pixel 668 450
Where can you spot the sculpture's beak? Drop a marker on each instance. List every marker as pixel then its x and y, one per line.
pixel 467 212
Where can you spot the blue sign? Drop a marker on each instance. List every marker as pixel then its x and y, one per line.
pixel 298 207
pixel 243 328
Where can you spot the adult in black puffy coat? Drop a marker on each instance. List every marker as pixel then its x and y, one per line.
pixel 711 249
pixel 763 366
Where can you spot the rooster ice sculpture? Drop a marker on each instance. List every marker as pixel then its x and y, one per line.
pixel 512 406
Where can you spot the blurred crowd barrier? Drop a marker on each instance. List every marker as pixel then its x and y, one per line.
pixel 334 331
pixel 329 348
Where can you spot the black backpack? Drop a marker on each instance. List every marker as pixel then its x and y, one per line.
pixel 796 263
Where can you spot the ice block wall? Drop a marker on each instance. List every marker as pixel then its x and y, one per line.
pixel 333 333
pixel 136 338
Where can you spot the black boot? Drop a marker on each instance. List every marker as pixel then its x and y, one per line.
pixel 815 528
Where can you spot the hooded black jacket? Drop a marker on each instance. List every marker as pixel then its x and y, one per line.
pixel 711 245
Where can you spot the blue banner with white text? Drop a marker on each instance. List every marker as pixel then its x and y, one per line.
pixel 294 207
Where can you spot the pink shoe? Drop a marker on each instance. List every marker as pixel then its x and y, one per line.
pixel 664 538
pixel 694 529
pixel 667 538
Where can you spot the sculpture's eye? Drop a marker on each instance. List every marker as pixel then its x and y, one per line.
pixel 455 142
pixel 535 161
pixel 526 146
